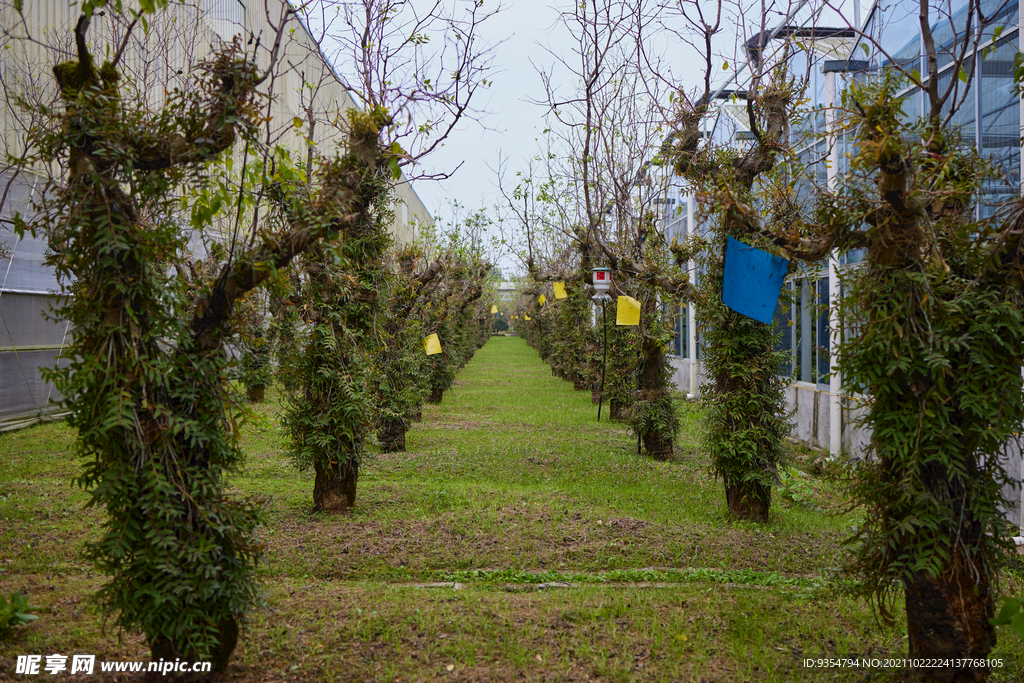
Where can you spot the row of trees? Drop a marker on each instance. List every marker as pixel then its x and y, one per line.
pixel 148 371
pixel 934 318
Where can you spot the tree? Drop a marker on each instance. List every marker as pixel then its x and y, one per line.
pixel 937 320
pixel 455 313
pixel 745 190
pixel 149 391
pixel 384 53
pixel 336 410
pixel 611 125
pixel 404 381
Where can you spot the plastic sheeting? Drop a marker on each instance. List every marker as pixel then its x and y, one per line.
pixel 25 397
pixel 30 336
pixel 27 322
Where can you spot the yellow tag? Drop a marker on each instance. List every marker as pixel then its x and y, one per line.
pixel 526 316
pixel 432 345
pixel 542 299
pixel 559 288
pixel 494 309
pixel 628 311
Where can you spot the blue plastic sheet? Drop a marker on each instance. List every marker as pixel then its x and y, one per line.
pixel 753 280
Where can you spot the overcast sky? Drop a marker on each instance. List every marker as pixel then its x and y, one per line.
pixel 511 123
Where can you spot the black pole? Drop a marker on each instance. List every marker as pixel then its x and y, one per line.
pixel 639 373
pixel 604 361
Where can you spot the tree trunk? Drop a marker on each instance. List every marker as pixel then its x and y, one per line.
pixel 392 436
pixel 948 618
pixel 657 446
pixel 595 395
pixel 333 490
pixel 616 411
pixel 435 396
pixel 749 503
pixel 578 383
pixel 256 394
pixel 163 649
pixel 654 399
pixel 418 415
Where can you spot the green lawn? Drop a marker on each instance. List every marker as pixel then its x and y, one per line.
pixel 518 539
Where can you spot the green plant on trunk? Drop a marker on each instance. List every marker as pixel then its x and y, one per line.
pixel 334 408
pixel 640 376
pixel 257 372
pixel 282 328
pixel 451 315
pixel 574 335
pixel 254 360
pixel 620 384
pixel 940 320
pixel 403 378
pixel 539 325
pixel 936 322
pixel 746 422
pixel 148 388
pixel 653 415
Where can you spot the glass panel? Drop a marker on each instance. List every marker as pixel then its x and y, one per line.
pixel 949 22
pixel 802 128
pixel 911 106
pixel 852 256
pixel 785 330
pixel 681 324
pixel 1000 123
pixel 821 165
pixel 725 129
pixel 805 332
pixel 900 35
pixel 965 117
pixel 822 336
pixel 803 190
pixel 818 83
pixel 1004 15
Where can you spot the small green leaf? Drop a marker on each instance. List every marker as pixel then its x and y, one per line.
pixel 1010 607
pixel 962 74
pixel 1017 624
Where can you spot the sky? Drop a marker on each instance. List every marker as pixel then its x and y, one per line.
pixel 510 124
pixel 527 35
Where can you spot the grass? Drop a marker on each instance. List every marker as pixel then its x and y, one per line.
pixel 518 539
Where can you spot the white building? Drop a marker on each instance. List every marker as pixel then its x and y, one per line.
pixel 156 61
